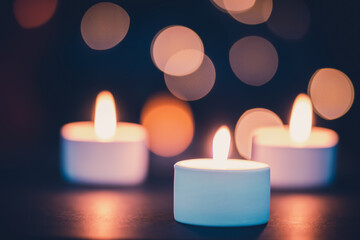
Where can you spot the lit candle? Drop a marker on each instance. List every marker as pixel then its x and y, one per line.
pixel 105 151
pixel 221 192
pixel 299 155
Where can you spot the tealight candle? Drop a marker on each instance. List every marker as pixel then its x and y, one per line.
pixel 221 192
pixel 104 152
pixel 300 156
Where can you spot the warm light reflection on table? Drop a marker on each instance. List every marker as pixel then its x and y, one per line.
pixel 58 211
pixel 102 211
pixel 305 216
pixel 101 214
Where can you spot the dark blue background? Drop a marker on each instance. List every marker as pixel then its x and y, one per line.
pixel 49 76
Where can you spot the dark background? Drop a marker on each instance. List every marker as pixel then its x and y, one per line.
pixel 49 77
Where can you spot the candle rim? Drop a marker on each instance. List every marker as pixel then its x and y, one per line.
pixel 138 129
pixel 293 145
pixel 262 166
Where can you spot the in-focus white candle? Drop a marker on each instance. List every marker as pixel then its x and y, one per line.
pixel 299 155
pixel 104 152
pixel 221 192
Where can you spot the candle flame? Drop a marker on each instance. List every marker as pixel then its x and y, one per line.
pixel 105 116
pixel 301 119
pixel 221 146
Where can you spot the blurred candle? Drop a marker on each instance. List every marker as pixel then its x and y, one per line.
pixel 104 152
pixel 221 192
pixel 300 156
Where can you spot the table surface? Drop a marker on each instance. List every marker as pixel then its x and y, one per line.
pixel 62 211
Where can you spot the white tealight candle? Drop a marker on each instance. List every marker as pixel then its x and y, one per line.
pixel 299 156
pixel 221 192
pixel 105 152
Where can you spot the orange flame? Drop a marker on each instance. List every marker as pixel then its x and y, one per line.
pixel 301 119
pixel 105 116
pixel 221 146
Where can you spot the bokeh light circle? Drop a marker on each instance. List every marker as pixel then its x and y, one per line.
pixel 331 92
pixel 290 19
pixel 34 13
pixel 250 121
pixel 234 5
pixel 104 25
pixel 177 50
pixel 257 14
pixel 195 85
pixel 253 60
pixel 169 123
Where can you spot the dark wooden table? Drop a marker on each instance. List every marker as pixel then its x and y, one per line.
pixel 61 211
